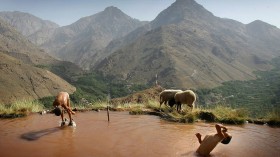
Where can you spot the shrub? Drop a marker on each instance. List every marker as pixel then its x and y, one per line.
pixel 206 115
pixel 273 118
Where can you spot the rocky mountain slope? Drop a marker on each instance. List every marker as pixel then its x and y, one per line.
pixel 186 46
pixel 29 25
pixel 20 76
pixel 20 81
pixel 89 35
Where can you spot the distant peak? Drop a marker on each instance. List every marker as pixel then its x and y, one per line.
pixel 112 9
pixel 182 10
pixel 188 5
pixel 113 12
pixel 17 13
pixel 259 23
pixel 186 2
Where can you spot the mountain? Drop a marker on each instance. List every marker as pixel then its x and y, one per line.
pixel 183 10
pixel 21 77
pixel 20 81
pixel 89 35
pixel 186 46
pixel 15 44
pixel 264 34
pixel 35 29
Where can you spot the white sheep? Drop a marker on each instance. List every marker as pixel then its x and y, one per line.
pixel 185 97
pixel 167 96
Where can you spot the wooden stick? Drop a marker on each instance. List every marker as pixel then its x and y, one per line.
pixel 108 115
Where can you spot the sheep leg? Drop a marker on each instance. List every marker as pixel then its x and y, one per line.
pixel 160 105
pixel 179 104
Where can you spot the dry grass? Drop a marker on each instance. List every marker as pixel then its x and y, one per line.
pixel 20 108
pixel 223 114
pixel 273 118
pixel 219 113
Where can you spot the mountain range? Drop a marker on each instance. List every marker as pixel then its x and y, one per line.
pixel 185 46
pixel 22 75
pixel 82 39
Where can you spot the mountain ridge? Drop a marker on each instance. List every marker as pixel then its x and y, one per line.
pixel 21 78
pixel 89 35
pixel 185 46
pixel 26 23
pixel 203 51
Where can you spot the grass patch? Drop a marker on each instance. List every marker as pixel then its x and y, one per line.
pixel 224 114
pixel 184 117
pixel 208 116
pixel 273 118
pixel 98 105
pixel 20 109
pixel 137 111
pixel 221 114
pixel 154 105
pixel 47 102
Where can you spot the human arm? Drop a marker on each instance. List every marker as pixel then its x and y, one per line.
pixel 198 135
pixel 219 128
pixel 68 109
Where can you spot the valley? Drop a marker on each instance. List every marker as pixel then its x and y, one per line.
pixel 110 54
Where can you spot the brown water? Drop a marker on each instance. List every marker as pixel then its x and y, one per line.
pixel 128 136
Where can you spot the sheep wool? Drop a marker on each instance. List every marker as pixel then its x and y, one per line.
pixel 185 97
pixel 167 96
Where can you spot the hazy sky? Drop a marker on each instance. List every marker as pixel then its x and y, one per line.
pixel 65 12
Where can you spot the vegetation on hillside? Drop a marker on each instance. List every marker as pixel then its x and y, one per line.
pixel 259 97
pixel 234 102
pixel 94 87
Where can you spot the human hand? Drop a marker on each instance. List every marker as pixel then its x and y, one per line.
pixel 198 135
pixel 224 129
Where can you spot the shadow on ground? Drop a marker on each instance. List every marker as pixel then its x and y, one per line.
pixel 35 135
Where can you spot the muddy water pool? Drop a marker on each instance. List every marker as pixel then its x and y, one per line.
pixel 127 136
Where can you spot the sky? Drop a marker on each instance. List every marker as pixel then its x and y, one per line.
pixel 65 12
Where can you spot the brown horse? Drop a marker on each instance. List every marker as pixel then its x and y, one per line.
pixel 63 100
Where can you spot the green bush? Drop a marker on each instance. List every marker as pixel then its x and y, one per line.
pixel 273 117
pixel 207 116
pixel 47 102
